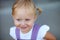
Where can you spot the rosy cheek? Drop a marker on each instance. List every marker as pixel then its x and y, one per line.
pixel 31 24
pixel 16 23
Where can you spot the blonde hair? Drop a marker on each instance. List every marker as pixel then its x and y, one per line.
pixel 25 3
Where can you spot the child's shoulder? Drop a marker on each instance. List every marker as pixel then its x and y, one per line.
pixel 12 28
pixel 12 32
pixel 43 30
pixel 45 27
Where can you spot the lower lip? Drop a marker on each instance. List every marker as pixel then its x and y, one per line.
pixel 23 27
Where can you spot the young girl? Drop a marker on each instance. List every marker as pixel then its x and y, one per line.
pixel 24 16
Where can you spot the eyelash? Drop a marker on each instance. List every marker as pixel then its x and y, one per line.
pixel 18 19
pixel 25 19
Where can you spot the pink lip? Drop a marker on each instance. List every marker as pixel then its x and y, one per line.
pixel 23 27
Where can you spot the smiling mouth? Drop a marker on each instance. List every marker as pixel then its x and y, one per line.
pixel 23 27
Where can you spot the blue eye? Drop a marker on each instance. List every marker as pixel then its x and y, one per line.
pixel 27 19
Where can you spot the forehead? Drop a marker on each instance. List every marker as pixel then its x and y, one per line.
pixel 25 9
pixel 24 12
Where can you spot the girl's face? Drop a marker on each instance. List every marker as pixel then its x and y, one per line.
pixel 24 19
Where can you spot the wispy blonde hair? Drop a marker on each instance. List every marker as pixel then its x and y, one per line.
pixel 25 3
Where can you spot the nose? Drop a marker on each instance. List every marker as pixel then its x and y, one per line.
pixel 22 23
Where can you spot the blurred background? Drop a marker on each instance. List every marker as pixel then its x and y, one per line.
pixel 50 16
